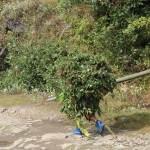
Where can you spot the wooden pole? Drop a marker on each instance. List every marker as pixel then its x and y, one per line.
pixel 126 78
pixel 133 76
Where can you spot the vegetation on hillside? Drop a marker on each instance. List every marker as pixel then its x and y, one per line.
pixel 45 35
pixel 118 31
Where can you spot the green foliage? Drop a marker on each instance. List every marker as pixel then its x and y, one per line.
pixel 86 80
pixel 68 3
pixel 32 66
pixel 120 31
pixel 123 30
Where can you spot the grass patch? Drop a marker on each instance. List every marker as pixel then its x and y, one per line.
pixel 8 100
pixel 48 1
pixel 125 115
pixel 134 121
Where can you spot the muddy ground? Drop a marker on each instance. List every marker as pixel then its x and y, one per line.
pixel 33 128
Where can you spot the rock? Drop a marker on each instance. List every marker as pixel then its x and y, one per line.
pixel 35 121
pixel 23 110
pixel 30 139
pixel 21 145
pixel 53 136
pixel 147 136
pixel 3 128
pixel 31 146
pixel 17 130
pixel 14 145
pixel 119 147
pixel 3 109
pixel 13 26
pixel 66 145
pixel 98 143
pixel 13 110
pixel 47 143
pixel 109 137
pixel 18 142
pixel 53 98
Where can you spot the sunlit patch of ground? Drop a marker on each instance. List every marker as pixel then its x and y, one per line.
pixel 126 115
pixel 8 100
pixel 118 115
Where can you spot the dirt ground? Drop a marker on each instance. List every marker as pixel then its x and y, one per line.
pixel 34 128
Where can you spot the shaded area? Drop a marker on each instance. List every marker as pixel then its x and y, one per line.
pixel 49 126
pixel 132 122
pixel 5 143
pixel 3 53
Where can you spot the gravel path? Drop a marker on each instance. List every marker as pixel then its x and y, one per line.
pixel 32 128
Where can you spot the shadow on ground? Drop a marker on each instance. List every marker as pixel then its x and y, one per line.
pixel 132 122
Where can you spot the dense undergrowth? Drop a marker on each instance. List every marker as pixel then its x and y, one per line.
pixel 117 31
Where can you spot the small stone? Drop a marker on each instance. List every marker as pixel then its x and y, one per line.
pixel 23 110
pixel 147 136
pixel 119 147
pixel 35 121
pixel 2 128
pixel 16 143
pixel 66 145
pixel 31 146
pixel 103 143
pixel 108 137
pixel 21 129
pixel 30 139
pixel 53 136
pixel 120 138
pixel 21 145
pixel 2 109
pixel 47 143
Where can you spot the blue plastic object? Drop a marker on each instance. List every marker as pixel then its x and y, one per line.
pixel 100 126
pixel 77 131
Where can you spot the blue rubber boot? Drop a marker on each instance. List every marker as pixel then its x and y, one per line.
pixel 100 126
pixel 77 131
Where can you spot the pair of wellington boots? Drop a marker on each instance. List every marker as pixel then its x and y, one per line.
pixel 98 124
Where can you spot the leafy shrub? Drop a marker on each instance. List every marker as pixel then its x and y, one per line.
pixel 68 3
pixel 32 65
pixel 18 9
pixel 123 30
pixel 86 80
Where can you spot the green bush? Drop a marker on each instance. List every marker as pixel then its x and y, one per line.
pixel 122 33
pixel 86 80
pixel 32 65
pixel 68 3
